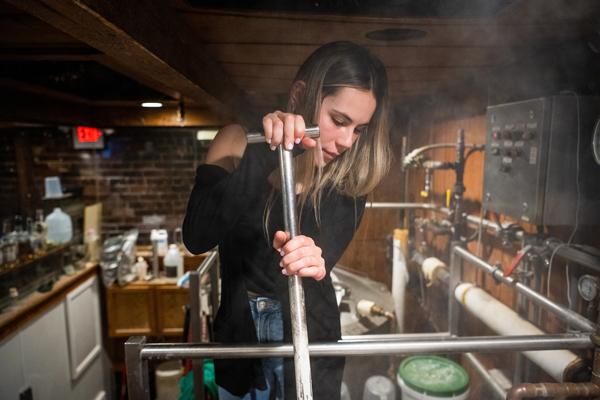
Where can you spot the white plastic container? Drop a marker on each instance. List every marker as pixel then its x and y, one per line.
pixel 379 387
pixel 167 380
pixel 173 262
pixel 60 227
pixel 52 187
pixel 141 268
pixel 161 237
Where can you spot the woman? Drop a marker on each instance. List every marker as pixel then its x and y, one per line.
pixel 236 205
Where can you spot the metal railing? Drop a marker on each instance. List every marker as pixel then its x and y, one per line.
pixel 570 317
pixel 196 317
pixel 138 352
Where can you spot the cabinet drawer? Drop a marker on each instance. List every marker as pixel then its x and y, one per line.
pixel 130 311
pixel 170 311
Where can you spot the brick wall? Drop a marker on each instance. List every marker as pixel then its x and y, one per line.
pixel 140 176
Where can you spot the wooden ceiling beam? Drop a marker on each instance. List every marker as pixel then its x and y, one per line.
pixel 147 36
pixel 157 84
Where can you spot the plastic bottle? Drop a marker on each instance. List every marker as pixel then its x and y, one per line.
pixel 141 268
pixel 173 262
pixel 60 227
pixel 160 236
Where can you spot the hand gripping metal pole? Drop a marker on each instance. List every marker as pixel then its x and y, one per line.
pixel 258 137
pixel 297 308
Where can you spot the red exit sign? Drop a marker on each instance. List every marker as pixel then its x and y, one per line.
pixel 87 137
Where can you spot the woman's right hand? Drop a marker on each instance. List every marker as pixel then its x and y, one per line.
pixel 287 129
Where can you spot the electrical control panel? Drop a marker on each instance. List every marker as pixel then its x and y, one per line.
pixel 539 162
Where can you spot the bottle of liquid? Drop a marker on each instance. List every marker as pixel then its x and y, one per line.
pixel 35 239
pixel 173 262
pixel 60 227
pixel 160 236
pixel 178 238
pixel 41 228
pixel 22 236
pixel 11 247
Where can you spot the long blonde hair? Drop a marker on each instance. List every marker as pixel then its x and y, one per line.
pixel 359 170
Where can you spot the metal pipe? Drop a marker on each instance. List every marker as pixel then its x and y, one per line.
pixel 296 292
pixel 576 255
pixel 394 336
pixel 568 316
pixel 485 375
pixel 455 273
pixel 560 390
pixel 479 344
pixel 379 204
pixel 137 369
pixel 207 263
pixel 258 137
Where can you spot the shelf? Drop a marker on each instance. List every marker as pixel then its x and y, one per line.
pixel 55 250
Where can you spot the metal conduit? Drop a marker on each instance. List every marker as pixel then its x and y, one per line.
pixel 484 344
pixel 485 375
pixel 568 316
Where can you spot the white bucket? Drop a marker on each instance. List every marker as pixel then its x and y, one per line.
pixel 167 380
pixel 411 394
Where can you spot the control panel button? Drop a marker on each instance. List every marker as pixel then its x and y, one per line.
pixel 529 135
pixel 517 135
pixel 517 152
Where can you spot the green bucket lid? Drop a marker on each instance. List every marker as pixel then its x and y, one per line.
pixel 434 376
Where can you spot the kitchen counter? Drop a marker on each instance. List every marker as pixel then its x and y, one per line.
pixel 31 307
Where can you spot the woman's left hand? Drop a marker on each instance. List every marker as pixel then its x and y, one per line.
pixel 299 256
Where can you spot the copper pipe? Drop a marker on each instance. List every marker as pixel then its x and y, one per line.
pixel 526 390
pixel 588 389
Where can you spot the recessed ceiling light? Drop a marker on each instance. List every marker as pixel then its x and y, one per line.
pixel 152 104
pixel 206 134
pixel 396 34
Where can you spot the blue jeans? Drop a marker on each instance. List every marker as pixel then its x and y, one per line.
pixel 268 322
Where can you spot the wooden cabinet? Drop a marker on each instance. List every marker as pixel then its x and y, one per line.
pixel 148 309
pixel 170 310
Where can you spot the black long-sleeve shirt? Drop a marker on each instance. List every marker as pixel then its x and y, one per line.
pixel 227 209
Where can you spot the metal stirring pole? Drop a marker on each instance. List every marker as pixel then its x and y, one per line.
pixel 297 307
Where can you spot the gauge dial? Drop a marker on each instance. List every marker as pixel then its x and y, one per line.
pixel 588 287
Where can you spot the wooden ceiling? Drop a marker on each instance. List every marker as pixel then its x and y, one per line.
pixel 210 66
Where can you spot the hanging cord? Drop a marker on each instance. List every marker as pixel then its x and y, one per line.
pixel 551 262
pixel 568 277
